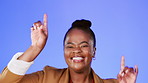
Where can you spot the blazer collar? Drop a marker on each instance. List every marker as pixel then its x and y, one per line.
pixel 65 77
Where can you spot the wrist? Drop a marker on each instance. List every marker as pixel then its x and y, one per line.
pixel 36 48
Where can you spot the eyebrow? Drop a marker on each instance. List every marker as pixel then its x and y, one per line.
pixel 79 43
pixel 84 42
pixel 70 43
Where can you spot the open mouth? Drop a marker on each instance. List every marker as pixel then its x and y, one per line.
pixel 77 59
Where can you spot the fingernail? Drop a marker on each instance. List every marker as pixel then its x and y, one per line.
pixel 35 27
pixel 41 27
pixel 126 71
pixel 38 27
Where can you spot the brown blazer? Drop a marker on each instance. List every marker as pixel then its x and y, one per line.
pixel 48 75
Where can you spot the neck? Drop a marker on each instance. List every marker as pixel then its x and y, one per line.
pixel 81 77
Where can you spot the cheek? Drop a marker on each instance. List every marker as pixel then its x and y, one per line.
pixel 88 51
pixel 66 54
pixel 88 54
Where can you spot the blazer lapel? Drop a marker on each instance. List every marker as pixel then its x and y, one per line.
pixel 65 77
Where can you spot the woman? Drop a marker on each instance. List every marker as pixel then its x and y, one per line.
pixel 79 49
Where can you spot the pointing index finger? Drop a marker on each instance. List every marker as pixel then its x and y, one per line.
pixel 45 21
pixel 122 65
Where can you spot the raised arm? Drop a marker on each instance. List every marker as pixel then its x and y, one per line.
pixel 39 35
pixel 127 74
pixel 19 64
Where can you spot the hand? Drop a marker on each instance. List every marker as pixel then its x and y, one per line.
pixel 39 33
pixel 127 74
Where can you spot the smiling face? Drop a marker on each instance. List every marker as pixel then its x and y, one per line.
pixel 78 50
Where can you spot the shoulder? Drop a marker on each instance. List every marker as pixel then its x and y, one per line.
pixel 53 71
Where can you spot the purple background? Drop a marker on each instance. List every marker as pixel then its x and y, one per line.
pixel 121 28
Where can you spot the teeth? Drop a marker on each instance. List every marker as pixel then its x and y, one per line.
pixel 77 58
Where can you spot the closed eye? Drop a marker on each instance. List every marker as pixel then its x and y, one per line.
pixel 84 46
pixel 69 47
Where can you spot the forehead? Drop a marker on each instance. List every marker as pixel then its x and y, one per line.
pixel 77 35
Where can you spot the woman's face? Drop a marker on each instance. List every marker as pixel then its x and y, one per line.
pixel 78 50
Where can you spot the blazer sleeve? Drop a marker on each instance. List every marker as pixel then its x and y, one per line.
pixel 8 77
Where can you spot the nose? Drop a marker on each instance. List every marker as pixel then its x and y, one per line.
pixel 77 50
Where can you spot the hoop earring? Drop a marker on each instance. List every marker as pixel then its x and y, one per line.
pixel 94 58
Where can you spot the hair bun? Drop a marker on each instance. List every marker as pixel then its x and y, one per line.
pixel 82 23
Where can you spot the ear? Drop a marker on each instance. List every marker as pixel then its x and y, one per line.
pixel 94 52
